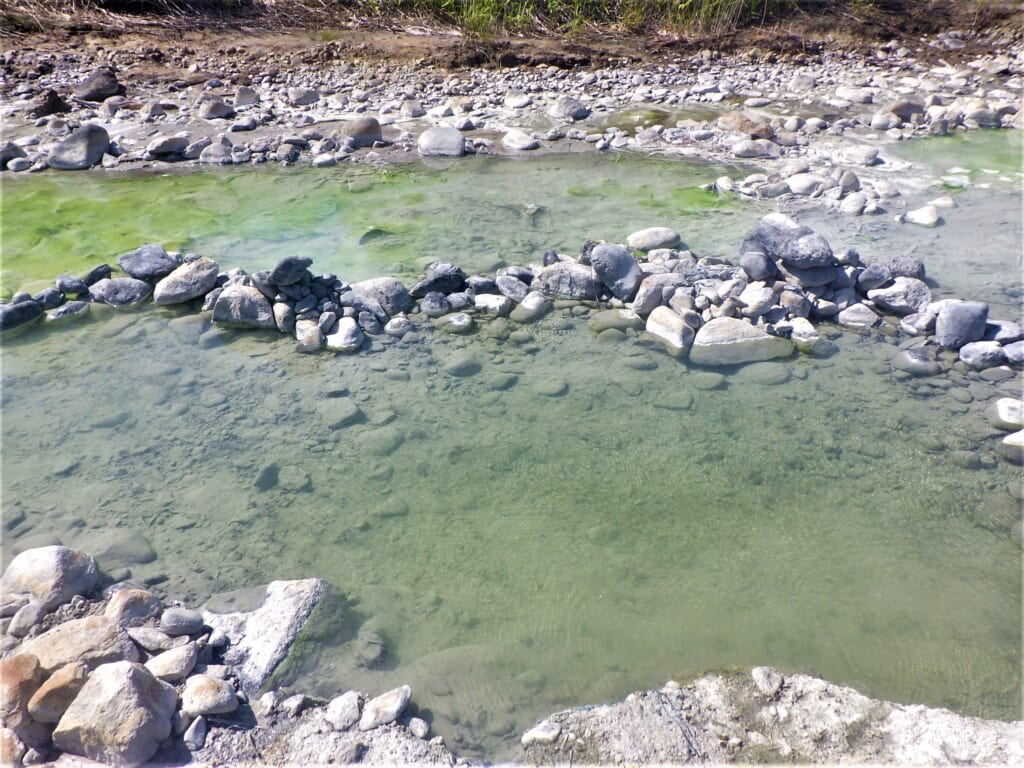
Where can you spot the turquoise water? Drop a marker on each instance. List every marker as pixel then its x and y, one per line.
pixel 574 521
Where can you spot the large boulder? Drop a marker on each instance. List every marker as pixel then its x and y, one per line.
pixel 147 262
pixel 729 341
pixel 568 108
pixel 289 270
pixel 94 640
pixel 52 699
pixel 617 269
pixel 347 337
pixel 50 576
pixel 567 280
pixel 15 318
pixel 389 292
pixel 82 149
pixel 119 717
pixel 441 141
pixel 651 292
pixel 243 306
pixel 363 131
pixel 905 296
pixel 121 292
pixel 670 331
pixel 960 322
pixel 385 708
pixel 100 84
pixel 189 281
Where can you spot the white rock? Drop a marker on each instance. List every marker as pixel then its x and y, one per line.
pixel 653 238
pixel 342 712
pixel 669 329
pixel 174 665
pixel 730 341
pixel 925 216
pixel 49 575
pixel 493 303
pixel 804 335
pixel 767 680
pixel 347 338
pixel 385 708
pixel 205 695
pixel 1007 413
pixel 519 140
pixel 542 733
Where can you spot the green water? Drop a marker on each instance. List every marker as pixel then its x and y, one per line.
pixel 576 520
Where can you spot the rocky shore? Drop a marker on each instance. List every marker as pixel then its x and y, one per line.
pixel 110 673
pixel 815 127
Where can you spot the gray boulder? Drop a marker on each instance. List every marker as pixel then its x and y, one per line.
pixel 121 292
pixel 15 318
pixel 756 148
pixel 757 265
pixel 363 131
pixel 82 149
pixel 729 341
pixel 873 276
pixel 119 717
pixel 189 281
pixel 858 316
pixel 982 354
pixel 512 287
pixel 289 270
pixel 568 108
pixel 50 576
pixel 807 250
pixel 100 84
pixel 441 277
pixel 905 296
pixel 960 322
pixel 243 306
pixel 65 313
pixel 9 151
pixel 389 292
pixel 302 97
pixel 651 291
pixel 148 262
pixel 215 109
pixel 567 280
pixel 94 640
pixel 617 269
pixel 441 141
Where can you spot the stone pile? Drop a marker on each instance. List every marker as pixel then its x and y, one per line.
pixel 124 678
pixel 717 313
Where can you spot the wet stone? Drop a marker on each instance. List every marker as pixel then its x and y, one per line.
pixel 181 621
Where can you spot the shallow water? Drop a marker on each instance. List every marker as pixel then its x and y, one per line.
pixel 577 519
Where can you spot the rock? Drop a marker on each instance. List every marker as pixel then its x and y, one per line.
pixel 1003 331
pixel 533 306
pixel 925 216
pixel 807 250
pixel 49 703
pixel 148 262
pixel 619 319
pixel 343 711
pixel 652 238
pixel 805 183
pixel 905 296
pixel 348 337
pixel 205 695
pixel 262 637
pixel 50 103
pixel 670 330
pixel 82 149
pixel 916 363
pixel 960 322
pixel 168 145
pixel 217 152
pixel 616 269
pixel 767 680
pixel 385 708
pixel 72 310
pixel 873 276
pixel 181 621
pixel 100 84
pixel 441 141
pixel 1011 447
pixel 982 354
pixel 567 280
pixel 651 292
pixel 858 316
pixel 339 412
pixel 10 151
pixel 17 317
pixel 804 335
pixel 493 304
pixel 302 97
pixel 518 140
pixel 194 737
pixel 124 293
pixel 462 364
pixel 20 678
pixel 569 109
pixel 389 292
pixel 756 148
pixel 456 322
pixel 729 341
pixel 215 109
pixel 243 306
pixel 1007 413
pixel 905 108
pixel 50 576
pixel 435 304
pixel 132 606
pixel 119 717
pixel 512 287
pixel 442 277
pixel 93 640
pixel 363 131
pixel 289 270
pixel 542 733
pixel 189 281
pixel 12 750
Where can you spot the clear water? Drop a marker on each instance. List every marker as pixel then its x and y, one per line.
pixel 575 521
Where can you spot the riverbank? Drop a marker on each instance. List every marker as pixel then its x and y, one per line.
pixel 127 679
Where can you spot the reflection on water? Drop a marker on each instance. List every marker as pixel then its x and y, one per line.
pixel 574 521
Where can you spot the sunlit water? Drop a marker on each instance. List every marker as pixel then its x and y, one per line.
pixel 574 521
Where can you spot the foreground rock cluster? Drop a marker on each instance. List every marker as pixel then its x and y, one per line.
pixel 123 678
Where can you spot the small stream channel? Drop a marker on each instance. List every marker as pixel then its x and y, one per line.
pixel 571 521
